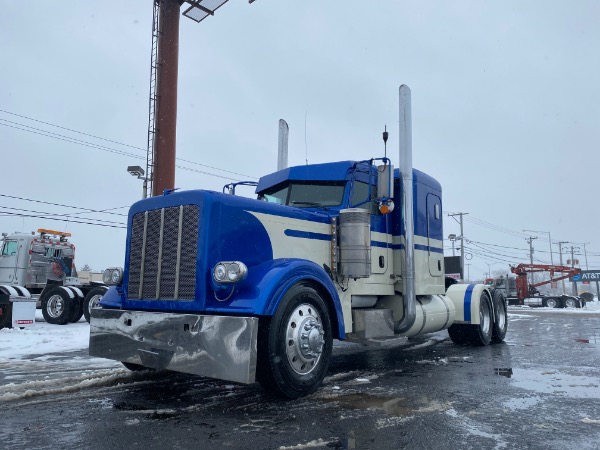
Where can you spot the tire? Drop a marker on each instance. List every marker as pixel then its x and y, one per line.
pixel 500 318
pixel 460 333
pixel 571 302
pixel 551 302
pixel 57 306
pixel 77 309
pixel 477 335
pixel 294 346
pixel 6 316
pixel 91 300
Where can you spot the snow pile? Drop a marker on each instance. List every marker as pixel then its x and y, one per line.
pixel 43 338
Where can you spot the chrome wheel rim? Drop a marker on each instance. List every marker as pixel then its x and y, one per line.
pixel 55 306
pixel 570 303
pixel 94 302
pixel 551 303
pixel 501 315
pixel 305 339
pixel 485 319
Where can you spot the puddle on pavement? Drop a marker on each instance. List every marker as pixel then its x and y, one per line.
pixel 521 402
pixel 556 382
pixel 393 406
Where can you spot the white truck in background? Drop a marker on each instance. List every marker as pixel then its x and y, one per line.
pixel 39 266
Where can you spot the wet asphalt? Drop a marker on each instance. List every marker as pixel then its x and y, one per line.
pixel 539 389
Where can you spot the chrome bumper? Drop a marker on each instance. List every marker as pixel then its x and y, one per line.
pixel 221 347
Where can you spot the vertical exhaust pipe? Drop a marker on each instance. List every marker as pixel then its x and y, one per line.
pixel 282 147
pixel 406 172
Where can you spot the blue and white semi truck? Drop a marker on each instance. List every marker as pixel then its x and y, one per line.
pixel 248 290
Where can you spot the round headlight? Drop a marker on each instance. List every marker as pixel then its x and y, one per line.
pixel 106 276
pixel 115 277
pixel 233 272
pixel 220 272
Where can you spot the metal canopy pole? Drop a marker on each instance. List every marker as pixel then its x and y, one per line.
pixel 166 99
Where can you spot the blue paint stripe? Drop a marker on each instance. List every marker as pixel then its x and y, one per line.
pixel 307 235
pixel 326 237
pixel 468 297
pixel 380 244
pixel 417 247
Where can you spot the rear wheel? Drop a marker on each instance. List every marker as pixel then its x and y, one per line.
pixel 57 306
pixel 77 308
pixel 92 299
pixel 570 302
pixel 475 334
pixel 500 318
pixel 295 344
pixel 6 316
pixel 550 302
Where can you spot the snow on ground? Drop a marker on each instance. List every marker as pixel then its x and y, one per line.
pixel 43 338
pixel 590 307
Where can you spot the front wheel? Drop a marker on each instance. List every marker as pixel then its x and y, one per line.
pixel 92 299
pixel 295 344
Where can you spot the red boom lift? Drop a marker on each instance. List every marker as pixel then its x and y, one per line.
pixel 527 290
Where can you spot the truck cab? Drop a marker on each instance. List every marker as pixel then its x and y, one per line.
pixel 251 290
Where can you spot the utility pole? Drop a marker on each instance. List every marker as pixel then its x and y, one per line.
pixel 572 266
pixel 462 242
pixel 560 244
pixel 549 242
pixel 530 241
pixel 468 273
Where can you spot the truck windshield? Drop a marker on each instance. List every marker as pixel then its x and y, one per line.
pixel 306 195
pixel 9 248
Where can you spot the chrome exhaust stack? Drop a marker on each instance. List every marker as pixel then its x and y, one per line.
pixel 409 298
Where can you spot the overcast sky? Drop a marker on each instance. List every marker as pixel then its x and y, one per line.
pixel 506 109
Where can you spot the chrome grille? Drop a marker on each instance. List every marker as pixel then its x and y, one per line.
pixel 162 254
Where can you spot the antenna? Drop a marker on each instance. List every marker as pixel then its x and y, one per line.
pixel 305 143
pixel 385 138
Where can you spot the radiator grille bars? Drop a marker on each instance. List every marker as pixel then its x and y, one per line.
pixel 162 259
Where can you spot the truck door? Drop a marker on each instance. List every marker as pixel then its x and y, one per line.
pixel 435 235
pixel 8 261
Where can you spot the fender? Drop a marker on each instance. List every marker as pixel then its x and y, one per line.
pixel 76 290
pixel 111 298
pixel 13 290
pixel 466 299
pixel 267 283
pixel 68 291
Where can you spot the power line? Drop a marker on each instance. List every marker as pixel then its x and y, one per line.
pixel 62 220
pixel 101 147
pixel 106 211
pixel 57 216
pixel 70 129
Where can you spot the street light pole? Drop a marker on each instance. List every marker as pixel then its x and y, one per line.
pixel 462 243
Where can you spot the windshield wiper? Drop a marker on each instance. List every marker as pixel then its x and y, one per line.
pixel 318 205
